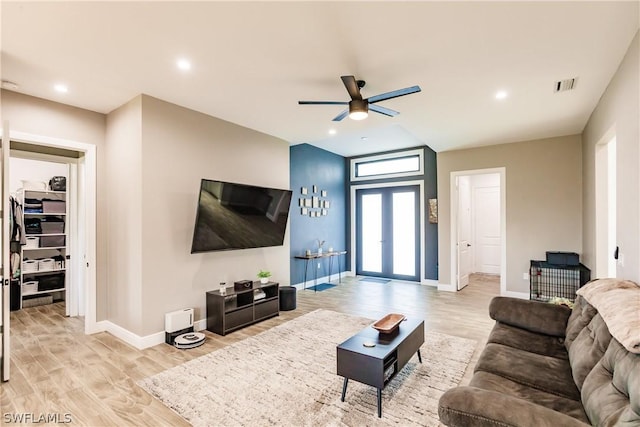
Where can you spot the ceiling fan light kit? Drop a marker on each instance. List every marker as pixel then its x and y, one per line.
pixel 358 107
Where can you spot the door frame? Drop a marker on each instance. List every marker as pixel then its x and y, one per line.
pixel 453 196
pixel 602 236
pixel 421 197
pixel 88 166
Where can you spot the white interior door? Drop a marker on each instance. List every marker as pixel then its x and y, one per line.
pixel 486 202
pixel 464 231
pixel 5 352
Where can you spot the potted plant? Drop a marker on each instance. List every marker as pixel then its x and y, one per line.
pixel 264 275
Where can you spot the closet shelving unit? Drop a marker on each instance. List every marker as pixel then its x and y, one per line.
pixel 44 257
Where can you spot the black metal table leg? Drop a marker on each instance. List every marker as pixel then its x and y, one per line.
pixel 379 403
pixel 344 388
pixel 419 356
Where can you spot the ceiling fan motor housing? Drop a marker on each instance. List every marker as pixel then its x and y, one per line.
pixel 358 105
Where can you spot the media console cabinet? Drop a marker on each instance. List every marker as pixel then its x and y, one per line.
pixel 233 309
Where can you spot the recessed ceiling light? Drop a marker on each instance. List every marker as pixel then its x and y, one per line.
pixel 332 131
pixel 501 94
pixel 364 138
pixel 183 64
pixel 59 87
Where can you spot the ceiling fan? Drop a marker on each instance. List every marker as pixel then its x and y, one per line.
pixel 358 107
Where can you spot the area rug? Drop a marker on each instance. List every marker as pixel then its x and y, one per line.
pixel 374 280
pixel 321 287
pixel 287 376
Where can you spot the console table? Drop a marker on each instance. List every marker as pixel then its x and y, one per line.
pixel 315 256
pixel 377 365
pixel 233 309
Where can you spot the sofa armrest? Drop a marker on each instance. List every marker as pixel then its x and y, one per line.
pixel 475 407
pixel 534 316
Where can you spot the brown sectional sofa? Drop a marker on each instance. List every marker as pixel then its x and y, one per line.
pixel 548 365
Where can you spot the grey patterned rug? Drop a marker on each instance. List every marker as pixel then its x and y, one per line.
pixel 287 376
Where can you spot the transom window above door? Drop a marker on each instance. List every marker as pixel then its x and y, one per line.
pixel 406 163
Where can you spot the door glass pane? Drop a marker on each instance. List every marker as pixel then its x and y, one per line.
pixel 372 232
pixel 404 233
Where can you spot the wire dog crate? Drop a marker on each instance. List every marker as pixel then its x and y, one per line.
pixel 550 280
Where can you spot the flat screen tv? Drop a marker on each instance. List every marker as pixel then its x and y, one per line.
pixel 238 216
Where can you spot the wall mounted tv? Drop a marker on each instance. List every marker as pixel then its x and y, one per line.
pixel 238 216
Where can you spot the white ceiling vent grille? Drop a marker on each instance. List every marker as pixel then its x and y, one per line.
pixel 565 85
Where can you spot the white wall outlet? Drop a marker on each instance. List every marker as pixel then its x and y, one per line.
pixel 525 276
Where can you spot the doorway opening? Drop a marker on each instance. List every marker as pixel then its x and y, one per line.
pixel 606 170
pixel 47 269
pixel 478 225
pixel 81 158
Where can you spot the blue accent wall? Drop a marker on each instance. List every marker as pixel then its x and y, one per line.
pixel 311 166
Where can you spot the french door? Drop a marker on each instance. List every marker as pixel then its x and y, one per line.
pixel 387 232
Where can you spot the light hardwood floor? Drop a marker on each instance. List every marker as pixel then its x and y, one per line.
pixel 55 368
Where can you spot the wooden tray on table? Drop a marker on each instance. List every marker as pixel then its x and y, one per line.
pixel 388 323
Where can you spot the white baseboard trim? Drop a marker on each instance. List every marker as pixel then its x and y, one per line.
pixel 521 295
pixel 200 325
pixel 97 327
pixel 136 340
pixel 447 287
pixel 429 282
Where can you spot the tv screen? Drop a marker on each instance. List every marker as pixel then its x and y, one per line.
pixel 238 216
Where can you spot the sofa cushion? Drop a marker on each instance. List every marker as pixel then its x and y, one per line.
pixel 534 316
pixel 549 374
pixel 611 391
pixel 588 348
pixel 581 315
pixel 488 381
pixel 532 342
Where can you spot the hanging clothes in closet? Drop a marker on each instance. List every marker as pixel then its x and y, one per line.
pixel 17 235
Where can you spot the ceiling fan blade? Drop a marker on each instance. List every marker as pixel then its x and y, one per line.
pixel 352 86
pixel 383 110
pixel 394 94
pixel 323 102
pixel 341 116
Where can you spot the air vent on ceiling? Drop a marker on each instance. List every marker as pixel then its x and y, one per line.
pixel 564 85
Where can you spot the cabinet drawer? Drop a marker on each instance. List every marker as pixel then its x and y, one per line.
pixel 238 318
pixel 267 308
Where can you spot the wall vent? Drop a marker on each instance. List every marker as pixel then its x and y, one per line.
pixel 564 85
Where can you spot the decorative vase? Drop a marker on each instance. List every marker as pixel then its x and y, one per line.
pixel 319 251
pixel 264 280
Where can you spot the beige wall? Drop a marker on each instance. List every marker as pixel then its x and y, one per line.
pixel 124 215
pixel 179 148
pixel 151 156
pixel 44 118
pixel 619 108
pixel 543 200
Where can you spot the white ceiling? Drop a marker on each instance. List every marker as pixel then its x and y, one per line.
pixel 252 62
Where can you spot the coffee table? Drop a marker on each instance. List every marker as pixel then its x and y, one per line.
pixel 376 366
